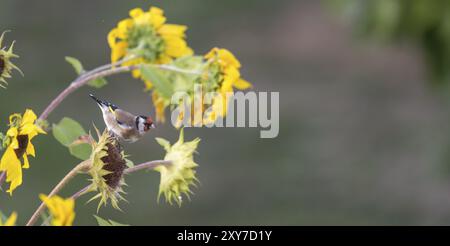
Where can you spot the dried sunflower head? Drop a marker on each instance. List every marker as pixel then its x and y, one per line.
pixel 6 66
pixel 108 164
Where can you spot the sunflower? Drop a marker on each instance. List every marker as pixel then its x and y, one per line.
pixel 6 66
pixel 177 178
pixel 108 165
pixel 220 77
pixel 61 210
pixel 18 146
pixel 147 36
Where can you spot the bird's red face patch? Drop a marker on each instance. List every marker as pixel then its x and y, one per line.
pixel 148 124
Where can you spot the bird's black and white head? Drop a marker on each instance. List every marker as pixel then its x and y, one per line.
pixel 144 123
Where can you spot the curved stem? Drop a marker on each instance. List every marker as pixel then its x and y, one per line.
pixel 84 166
pixel 2 178
pixel 81 192
pixel 107 66
pixel 144 166
pixel 147 166
pixel 79 83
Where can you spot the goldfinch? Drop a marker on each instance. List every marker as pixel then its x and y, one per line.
pixel 122 124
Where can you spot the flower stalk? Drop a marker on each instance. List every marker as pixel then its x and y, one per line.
pixel 2 178
pixel 100 72
pixel 144 166
pixel 78 83
pixel 82 167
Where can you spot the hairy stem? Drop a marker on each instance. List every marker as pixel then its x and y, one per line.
pixel 81 81
pixel 144 166
pixel 82 167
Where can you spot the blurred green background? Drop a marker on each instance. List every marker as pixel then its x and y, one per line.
pixel 364 139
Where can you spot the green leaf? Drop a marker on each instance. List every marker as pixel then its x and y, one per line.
pixel 81 151
pixel 76 64
pixel 189 62
pixel 113 223
pixel 67 132
pixel 159 81
pixel 98 83
pixel 103 222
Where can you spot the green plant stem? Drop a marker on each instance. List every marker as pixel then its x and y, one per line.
pixel 82 167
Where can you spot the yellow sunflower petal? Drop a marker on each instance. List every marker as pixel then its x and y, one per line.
pixel 228 58
pixel 12 132
pixel 31 129
pixel 26 163
pixel 118 51
pixel 30 149
pixel 112 36
pixel 13 117
pixel 212 53
pixel 232 73
pixel 14 143
pixel 227 85
pixel 28 117
pixel 136 12
pixel 148 85
pixel 157 20
pixel 164 59
pixel 11 164
pixel 62 210
pixel 172 30
pixel 156 11
pixel 160 107
pixel 242 84
pixel 175 46
pixel 11 221
pixel 136 73
pixel 123 27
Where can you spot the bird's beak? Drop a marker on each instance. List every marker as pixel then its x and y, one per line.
pixel 152 126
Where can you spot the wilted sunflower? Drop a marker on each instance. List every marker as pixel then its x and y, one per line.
pixel 108 164
pixel 18 146
pixel 177 177
pixel 146 35
pixel 61 210
pixel 6 66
